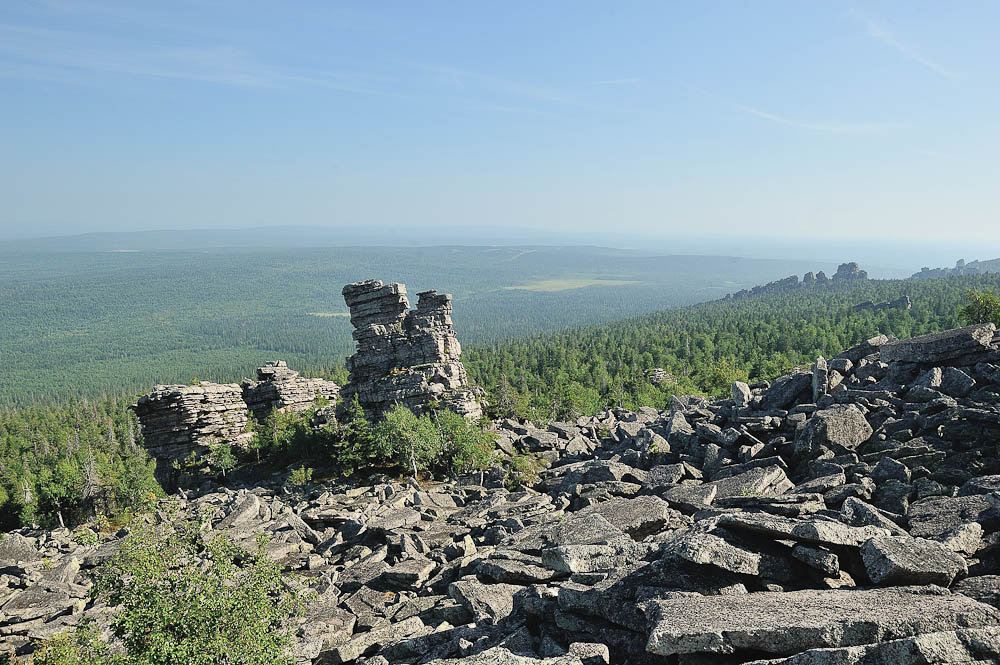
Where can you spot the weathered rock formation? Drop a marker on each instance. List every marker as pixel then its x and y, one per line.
pixel 902 302
pixel 660 377
pixel 846 272
pixel 847 515
pixel 280 388
pixel 961 268
pixel 178 421
pixel 406 357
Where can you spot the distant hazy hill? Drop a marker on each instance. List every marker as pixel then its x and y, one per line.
pixel 961 268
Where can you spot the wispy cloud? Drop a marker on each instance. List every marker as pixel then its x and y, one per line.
pixel 879 32
pixel 626 81
pixel 75 57
pixel 832 127
pixel 798 123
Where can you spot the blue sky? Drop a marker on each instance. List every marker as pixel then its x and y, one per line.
pixel 723 118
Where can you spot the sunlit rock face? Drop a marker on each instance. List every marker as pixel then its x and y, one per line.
pixel 405 356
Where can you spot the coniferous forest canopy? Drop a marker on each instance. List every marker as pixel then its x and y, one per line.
pixel 70 458
pixel 86 323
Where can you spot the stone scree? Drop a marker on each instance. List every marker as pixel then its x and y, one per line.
pixel 848 515
pixel 406 357
pixel 179 420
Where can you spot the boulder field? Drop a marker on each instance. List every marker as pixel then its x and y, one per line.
pixel 845 514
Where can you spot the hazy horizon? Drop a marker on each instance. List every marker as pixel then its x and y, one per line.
pixel 885 260
pixel 778 120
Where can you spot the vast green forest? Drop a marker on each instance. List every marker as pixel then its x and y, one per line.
pixel 85 323
pixel 705 347
pixel 78 456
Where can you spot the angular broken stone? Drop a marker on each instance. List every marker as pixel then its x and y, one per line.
pixel 858 513
pixel 409 573
pixel 709 549
pixel 501 656
pixel 974 646
pixel 589 529
pixel 489 603
pixel 741 394
pixel 512 571
pixel 638 517
pixel 818 558
pixel 794 621
pixel 902 560
pixel 690 498
pixel 841 426
pixel 762 481
pixel 816 531
pixel 592 558
pixel 934 516
pixel 936 348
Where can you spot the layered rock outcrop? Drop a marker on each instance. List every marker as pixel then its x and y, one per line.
pixel 178 421
pixel 846 272
pixel 902 302
pixel 406 357
pixel 279 388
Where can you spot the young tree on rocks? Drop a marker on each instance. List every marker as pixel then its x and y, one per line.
pixel 981 307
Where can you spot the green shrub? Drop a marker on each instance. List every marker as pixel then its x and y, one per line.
pixel 522 470
pixel 184 601
pixel 980 307
pixel 443 442
pixel 300 476
pixel 82 646
pixel 407 440
pixel 467 447
pixel 221 457
pixel 286 438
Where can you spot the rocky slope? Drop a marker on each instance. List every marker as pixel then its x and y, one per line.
pixel 846 514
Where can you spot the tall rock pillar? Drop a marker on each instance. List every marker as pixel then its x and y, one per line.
pixel 407 357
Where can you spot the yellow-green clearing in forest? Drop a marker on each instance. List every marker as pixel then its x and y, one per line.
pixel 555 285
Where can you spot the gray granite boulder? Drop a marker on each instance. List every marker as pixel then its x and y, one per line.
pixel 787 623
pixel 902 560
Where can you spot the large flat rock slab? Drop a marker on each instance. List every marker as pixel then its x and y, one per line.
pixel 972 646
pixel 788 623
pixel 815 531
pixel 762 481
pixel 938 347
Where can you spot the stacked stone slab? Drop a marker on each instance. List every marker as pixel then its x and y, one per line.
pixel 406 357
pixel 180 420
pixel 281 388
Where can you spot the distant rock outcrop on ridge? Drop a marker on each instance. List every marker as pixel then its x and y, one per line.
pixel 961 268
pixel 846 272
